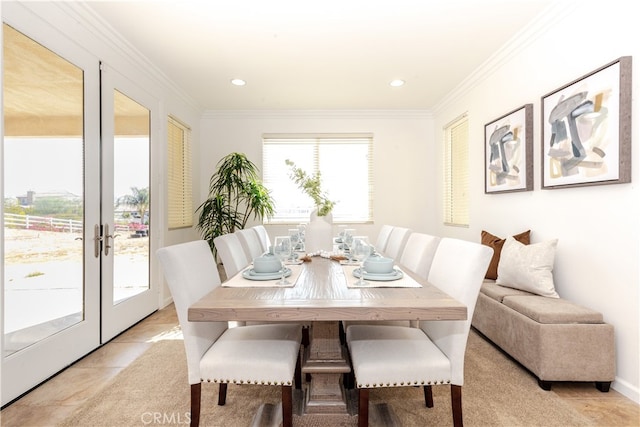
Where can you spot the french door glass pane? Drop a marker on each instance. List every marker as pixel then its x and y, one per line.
pixel 131 204
pixel 43 171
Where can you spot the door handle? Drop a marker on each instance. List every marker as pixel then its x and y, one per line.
pixel 97 240
pixel 108 236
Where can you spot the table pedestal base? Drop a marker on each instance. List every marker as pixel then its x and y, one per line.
pixel 326 361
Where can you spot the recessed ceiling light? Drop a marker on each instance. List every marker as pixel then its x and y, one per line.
pixel 397 83
pixel 238 82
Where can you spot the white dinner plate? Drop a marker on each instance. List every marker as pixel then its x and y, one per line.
pixel 251 274
pixel 394 275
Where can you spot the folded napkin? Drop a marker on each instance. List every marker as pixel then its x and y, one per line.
pixel 405 281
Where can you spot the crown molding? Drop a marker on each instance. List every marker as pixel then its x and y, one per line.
pixel 85 17
pixel 548 18
pixel 318 114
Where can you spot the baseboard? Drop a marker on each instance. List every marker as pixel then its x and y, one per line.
pixel 165 302
pixel 628 390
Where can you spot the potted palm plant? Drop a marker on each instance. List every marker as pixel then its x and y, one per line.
pixel 235 195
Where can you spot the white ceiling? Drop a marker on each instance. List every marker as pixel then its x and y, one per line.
pixel 322 54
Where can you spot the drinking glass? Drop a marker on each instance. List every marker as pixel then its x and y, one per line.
pixel 360 251
pixel 302 228
pixel 294 235
pixel 347 241
pixel 282 249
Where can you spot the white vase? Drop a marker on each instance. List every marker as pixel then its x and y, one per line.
pixel 318 233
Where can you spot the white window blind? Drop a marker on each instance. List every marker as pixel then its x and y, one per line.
pixel 345 163
pixel 456 173
pixel 179 175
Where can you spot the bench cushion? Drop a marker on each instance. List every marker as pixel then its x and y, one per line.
pixel 551 310
pixel 497 292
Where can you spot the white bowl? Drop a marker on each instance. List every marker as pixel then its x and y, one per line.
pixel 266 263
pixel 378 265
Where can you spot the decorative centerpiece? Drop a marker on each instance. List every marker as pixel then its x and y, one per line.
pixel 318 234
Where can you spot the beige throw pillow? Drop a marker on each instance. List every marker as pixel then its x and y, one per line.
pixel 528 267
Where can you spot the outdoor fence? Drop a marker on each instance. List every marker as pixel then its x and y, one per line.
pixel 43 223
pixel 33 222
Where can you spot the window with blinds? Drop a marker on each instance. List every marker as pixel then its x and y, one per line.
pixel 180 199
pixel 456 173
pixel 345 163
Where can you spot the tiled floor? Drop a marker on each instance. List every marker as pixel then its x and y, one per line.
pixel 54 400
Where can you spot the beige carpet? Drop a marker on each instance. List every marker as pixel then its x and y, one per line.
pixel 154 391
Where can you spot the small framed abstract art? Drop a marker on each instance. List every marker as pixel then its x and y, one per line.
pixel 508 152
pixel 586 129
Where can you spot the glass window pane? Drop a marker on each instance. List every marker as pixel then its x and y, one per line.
pixel 43 192
pixel 132 198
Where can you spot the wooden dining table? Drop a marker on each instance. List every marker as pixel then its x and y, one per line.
pixel 321 294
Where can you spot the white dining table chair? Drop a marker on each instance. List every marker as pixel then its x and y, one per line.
pixel 397 241
pixel 418 253
pixel 262 354
pixel 433 354
pixel 231 253
pixel 383 238
pixel 263 236
pixel 250 242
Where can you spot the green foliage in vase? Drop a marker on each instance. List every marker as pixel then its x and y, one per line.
pixel 311 185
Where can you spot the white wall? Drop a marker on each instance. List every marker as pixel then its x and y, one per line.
pixel 402 153
pixel 597 227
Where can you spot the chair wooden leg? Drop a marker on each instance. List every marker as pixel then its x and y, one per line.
pixel 456 405
pixel 287 406
pixel 298 372
pixel 363 407
pixel 195 404
pixel 428 396
pixel 222 394
pixel 305 336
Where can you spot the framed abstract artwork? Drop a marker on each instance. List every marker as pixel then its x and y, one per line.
pixel 508 152
pixel 586 129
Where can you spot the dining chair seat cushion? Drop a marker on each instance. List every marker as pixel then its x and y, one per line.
pixel 395 356
pixel 258 354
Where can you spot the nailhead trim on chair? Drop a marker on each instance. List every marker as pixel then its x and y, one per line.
pixel 403 384
pixel 255 382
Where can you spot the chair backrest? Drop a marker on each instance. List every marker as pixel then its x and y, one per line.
pixel 263 236
pixel 231 253
pixel 191 272
pixel 418 253
pixel 250 243
pixel 397 240
pixel 383 238
pixel 458 268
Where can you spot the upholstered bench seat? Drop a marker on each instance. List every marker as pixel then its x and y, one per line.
pixel 555 339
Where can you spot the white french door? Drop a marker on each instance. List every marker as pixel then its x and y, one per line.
pixel 127 131
pixel 51 196
pixel 76 156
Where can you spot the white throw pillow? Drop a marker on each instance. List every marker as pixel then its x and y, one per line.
pixel 528 267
